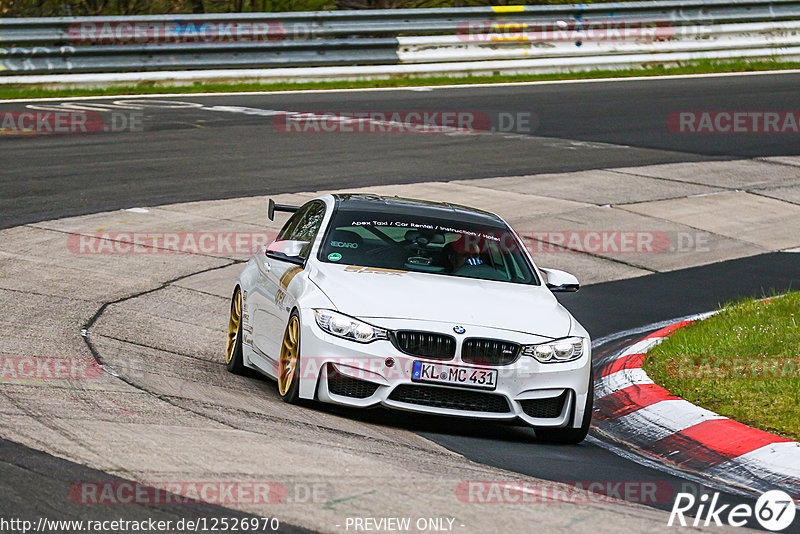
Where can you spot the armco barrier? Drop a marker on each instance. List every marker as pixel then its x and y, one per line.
pixel 186 56
pixel 461 40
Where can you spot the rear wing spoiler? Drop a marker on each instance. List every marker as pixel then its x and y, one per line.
pixel 279 207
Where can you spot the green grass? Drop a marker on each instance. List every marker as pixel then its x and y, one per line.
pixel 699 67
pixel 743 363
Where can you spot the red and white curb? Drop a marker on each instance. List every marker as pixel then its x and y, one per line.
pixel 632 410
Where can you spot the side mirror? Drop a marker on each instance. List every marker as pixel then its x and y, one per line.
pixel 290 251
pixel 560 281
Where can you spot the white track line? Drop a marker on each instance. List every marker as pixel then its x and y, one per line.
pixel 415 87
pixel 664 418
pixel 620 380
pixel 647 328
pixel 776 461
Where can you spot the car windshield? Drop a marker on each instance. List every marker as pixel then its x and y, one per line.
pixel 427 244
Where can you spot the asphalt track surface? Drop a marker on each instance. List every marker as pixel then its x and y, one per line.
pixel 194 154
pixel 36 484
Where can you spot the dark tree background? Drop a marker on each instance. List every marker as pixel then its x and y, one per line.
pixel 60 8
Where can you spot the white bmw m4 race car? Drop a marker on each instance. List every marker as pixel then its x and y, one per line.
pixel 369 301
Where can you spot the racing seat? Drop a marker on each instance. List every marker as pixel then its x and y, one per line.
pixel 348 244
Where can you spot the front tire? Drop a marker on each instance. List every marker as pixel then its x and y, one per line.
pixel 569 435
pixel 289 363
pixel 234 361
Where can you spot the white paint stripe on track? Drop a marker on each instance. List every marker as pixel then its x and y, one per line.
pixel 599 342
pixel 620 380
pixel 777 463
pixel 412 87
pixel 783 457
pixel 640 347
pixel 663 419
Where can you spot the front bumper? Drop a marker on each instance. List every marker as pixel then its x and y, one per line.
pixel 353 374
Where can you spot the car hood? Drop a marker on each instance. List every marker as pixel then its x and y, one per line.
pixel 381 293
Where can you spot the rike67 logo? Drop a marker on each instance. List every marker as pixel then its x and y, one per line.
pixel 774 510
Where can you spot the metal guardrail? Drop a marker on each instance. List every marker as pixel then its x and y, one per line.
pixel 237 55
pixel 387 37
pixel 698 39
pixel 55 30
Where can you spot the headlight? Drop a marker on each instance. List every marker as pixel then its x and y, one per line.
pixel 341 325
pixel 560 350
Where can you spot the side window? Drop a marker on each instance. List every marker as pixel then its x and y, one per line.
pixel 304 225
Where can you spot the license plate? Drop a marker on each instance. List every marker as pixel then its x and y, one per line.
pixel 437 373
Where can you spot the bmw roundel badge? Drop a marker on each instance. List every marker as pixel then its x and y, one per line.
pixel 459 329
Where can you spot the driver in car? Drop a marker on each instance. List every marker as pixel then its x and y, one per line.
pixel 465 259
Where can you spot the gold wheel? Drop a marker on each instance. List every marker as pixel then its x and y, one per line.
pixel 289 355
pixel 233 326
